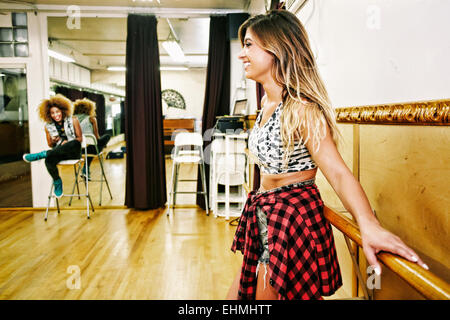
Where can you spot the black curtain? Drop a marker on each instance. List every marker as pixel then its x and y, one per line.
pixel 217 93
pixel 69 93
pixel 145 178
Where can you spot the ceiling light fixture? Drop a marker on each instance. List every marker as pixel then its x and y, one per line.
pixel 172 47
pixel 116 68
pixel 60 56
pixel 173 68
pixel 174 50
pixel 159 1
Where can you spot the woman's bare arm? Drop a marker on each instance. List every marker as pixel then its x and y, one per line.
pixel 77 127
pixel 374 237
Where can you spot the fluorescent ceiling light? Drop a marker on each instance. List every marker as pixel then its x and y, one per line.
pixel 117 68
pixel 173 68
pixel 120 68
pixel 174 51
pixel 60 56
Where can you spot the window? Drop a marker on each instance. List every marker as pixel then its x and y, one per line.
pixel 14 39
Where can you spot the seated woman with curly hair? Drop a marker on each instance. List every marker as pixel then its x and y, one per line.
pixel 84 110
pixel 63 135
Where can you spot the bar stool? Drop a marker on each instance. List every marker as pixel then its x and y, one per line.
pixel 76 163
pixel 91 140
pixel 181 156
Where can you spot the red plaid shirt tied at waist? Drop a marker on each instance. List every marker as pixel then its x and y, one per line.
pixel 303 262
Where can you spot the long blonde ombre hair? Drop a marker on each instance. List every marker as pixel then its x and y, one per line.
pixel 281 33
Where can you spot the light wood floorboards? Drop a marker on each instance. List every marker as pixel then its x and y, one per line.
pixel 121 254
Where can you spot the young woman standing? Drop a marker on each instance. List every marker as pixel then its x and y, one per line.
pixel 282 230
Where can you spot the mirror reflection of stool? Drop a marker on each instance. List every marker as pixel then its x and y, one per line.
pixel 188 150
pixel 91 140
pixel 77 165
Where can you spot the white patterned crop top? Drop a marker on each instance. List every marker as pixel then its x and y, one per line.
pixel 265 143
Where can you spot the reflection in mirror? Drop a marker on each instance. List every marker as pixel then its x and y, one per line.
pixel 15 174
pixel 80 70
pixel 114 169
pixel 98 47
pixel 102 116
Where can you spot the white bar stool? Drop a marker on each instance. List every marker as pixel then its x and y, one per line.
pixel 76 163
pixel 179 156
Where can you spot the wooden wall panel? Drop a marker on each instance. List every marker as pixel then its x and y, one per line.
pixel 405 172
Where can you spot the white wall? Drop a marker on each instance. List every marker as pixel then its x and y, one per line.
pixel 237 70
pixel 38 89
pixel 373 52
pixel 69 72
pixel 256 7
pixel 191 85
pixel 238 86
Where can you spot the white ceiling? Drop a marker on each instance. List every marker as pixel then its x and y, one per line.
pixel 101 41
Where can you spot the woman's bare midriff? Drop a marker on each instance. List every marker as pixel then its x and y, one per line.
pixel 272 181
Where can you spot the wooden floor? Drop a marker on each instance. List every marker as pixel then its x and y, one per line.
pixel 115 171
pixel 118 253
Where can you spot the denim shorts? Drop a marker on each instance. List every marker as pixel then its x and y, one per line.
pixel 262 221
pixel 263 238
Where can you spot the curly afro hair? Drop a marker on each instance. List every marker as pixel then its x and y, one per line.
pixel 59 101
pixel 84 106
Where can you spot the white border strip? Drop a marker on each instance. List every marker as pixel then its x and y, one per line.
pixel 117 12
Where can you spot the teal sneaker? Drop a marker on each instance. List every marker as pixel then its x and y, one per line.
pixel 30 157
pixel 58 188
pixel 84 175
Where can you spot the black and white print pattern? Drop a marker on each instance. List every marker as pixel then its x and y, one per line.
pixel 266 144
pixel 68 128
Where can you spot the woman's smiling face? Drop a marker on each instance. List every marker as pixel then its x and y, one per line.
pixel 257 61
pixel 56 114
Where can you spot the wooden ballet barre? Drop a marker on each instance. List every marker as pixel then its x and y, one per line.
pixel 423 281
